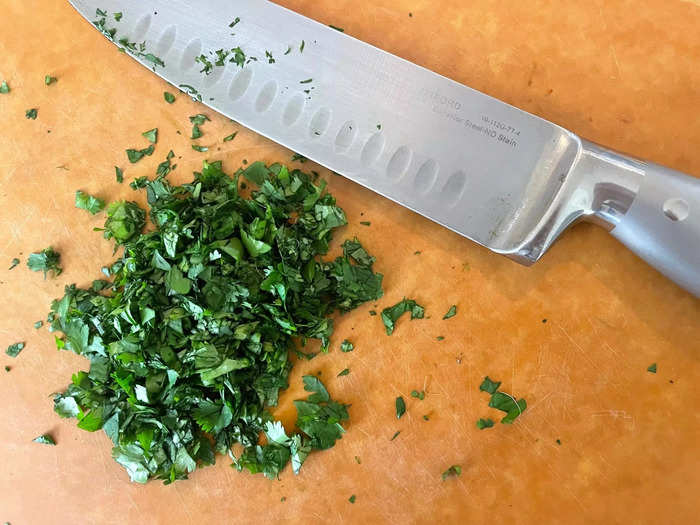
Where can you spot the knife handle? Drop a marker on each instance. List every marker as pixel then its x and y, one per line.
pixel 653 210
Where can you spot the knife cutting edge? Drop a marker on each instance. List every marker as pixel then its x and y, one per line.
pixel 504 178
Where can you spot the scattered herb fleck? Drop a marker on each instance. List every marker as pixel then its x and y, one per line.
pixel 391 315
pixel 38 324
pixel 426 417
pixel 4 88
pixel 307 81
pixel 366 223
pixel 336 28
pixel 302 46
pixel 48 80
pixel 440 338
pixel 396 434
pixel 14 263
pixel 482 423
pixel 14 349
pixel 119 174
pixel 45 261
pixel 558 441
pixel 135 155
pixel 31 113
pixel 418 395
pixel 44 439
pixel 351 499
pixel 400 407
pixel 87 202
pixel 169 97
pixel 230 137
pixel 453 471
pixel 201 149
pixel 451 312
pixel 344 372
pixel 652 368
pixel 346 346
pixel 151 135
pixel 358 460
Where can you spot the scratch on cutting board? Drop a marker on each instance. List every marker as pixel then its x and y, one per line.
pixel 617 62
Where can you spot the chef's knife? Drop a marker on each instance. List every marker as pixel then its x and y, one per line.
pixel 497 175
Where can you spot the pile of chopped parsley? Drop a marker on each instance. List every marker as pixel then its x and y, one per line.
pixel 189 337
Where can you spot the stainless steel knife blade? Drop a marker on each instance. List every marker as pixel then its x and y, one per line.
pixel 502 177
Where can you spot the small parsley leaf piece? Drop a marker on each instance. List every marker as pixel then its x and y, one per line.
pixel 400 407
pixel 169 97
pixel 48 80
pixel 119 174
pixel 366 223
pixel 230 137
pixel 201 149
pixel 46 260
pixel 151 135
pixel 14 349
pixel 418 395
pixel 344 372
pixel 31 113
pixel 4 88
pixel 391 315
pixel 346 346
pixel 87 202
pixel 135 155
pixel 453 471
pixel 396 434
pixel 38 324
pixel 352 499
pixel 451 312
pixel 652 368
pixel 506 403
pixel 482 423
pixel 118 16
pixel 44 439
pixel 14 263
pixel 487 385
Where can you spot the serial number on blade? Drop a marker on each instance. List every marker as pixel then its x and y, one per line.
pixel 501 126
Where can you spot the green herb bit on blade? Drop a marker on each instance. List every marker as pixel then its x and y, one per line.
pixel 391 315
pixel 14 349
pixel 46 260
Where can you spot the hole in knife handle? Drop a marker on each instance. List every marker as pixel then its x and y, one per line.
pixel 192 51
pixel 426 176
pixel 399 162
pixel 166 41
pixel 266 96
pixel 319 123
pixel 346 136
pixel 293 110
pixel 454 188
pixel 240 84
pixel 140 29
pixel 373 148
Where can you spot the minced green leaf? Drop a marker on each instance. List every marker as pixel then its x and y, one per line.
pixel 230 137
pixel 135 155
pixel 46 260
pixel 38 324
pixel 352 499
pixel 14 349
pixel 44 439
pixel 487 385
pixel 482 423
pixel 14 263
pixel 396 434
pixel 652 368
pixel 346 346
pixel 453 471
pixel 48 80
pixel 169 97
pixel 31 113
pixel 201 149
pixel 507 403
pixel 4 88
pixel 151 135
pixel 451 312
pixel 87 202
pixel 400 407
pixel 344 372
pixel 119 174
pixel 418 394
pixel 391 315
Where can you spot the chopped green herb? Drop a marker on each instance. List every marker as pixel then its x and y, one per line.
pixel 14 263
pixel 487 385
pixel 418 252
pixel 307 81
pixel 196 132
pixel 135 155
pixel 506 403
pixel 346 346
pixel 358 460
pixel 7 368
pixel 230 137
pixel 451 312
pixel 201 149
pixel 453 471
pixel 44 439
pixel 652 368
pixel 426 417
pixel 344 372
pixel 558 441
pixel 379 127
pixel 289 50
pixel 352 499
pixel 366 223
pixel 235 21
pixel 48 80
pixel 336 28
pixel 139 183
pixel 169 97
pixel 151 135
pixel 4 88
pixel 302 46
pixel 396 434
pixel 15 349
pixel 482 423
pixel 192 92
pixel 38 324
pixel 45 261
pixel 270 58
pixel 400 407
pixel 87 202
pixel 31 113
pixel 440 338
pixel 189 341
pixel 372 313
pixel 118 16
pixel 418 395
pixel 119 174
pixel 299 158
pixel 391 315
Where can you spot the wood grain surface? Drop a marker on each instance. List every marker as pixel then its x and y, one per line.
pixel 619 72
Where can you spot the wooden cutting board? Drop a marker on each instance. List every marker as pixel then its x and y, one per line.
pixel 618 72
